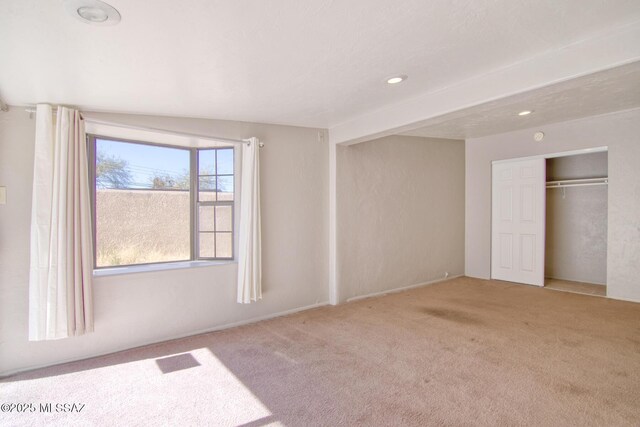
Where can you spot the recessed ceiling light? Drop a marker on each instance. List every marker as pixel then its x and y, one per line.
pixel 396 79
pixel 93 12
pixel 525 112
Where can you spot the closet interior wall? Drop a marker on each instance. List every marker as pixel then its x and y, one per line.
pixel 576 220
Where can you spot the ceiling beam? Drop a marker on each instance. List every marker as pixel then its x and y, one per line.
pixel 611 49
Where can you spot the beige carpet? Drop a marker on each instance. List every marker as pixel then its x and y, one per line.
pixel 463 352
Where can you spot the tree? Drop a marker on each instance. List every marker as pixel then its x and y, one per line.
pixel 167 181
pixel 182 181
pixel 208 180
pixel 111 172
pixel 164 182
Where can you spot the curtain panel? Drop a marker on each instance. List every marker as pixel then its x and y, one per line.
pixel 249 233
pixel 61 271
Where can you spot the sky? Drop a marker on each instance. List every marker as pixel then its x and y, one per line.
pixel 144 162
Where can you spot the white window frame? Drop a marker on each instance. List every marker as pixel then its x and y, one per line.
pixel 194 204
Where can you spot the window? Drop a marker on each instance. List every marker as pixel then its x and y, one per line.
pixel 156 203
pixel 215 203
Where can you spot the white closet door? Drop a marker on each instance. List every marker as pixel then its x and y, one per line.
pixel 518 221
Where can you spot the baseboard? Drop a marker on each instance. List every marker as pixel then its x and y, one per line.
pixel 404 288
pixel 575 280
pixel 637 301
pixel 171 338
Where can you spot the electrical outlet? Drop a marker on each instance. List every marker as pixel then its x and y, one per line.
pixel 3 195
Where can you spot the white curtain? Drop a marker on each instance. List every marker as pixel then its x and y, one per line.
pixel 60 282
pixel 249 250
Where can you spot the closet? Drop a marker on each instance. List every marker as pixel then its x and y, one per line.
pixel 549 221
pixel 576 223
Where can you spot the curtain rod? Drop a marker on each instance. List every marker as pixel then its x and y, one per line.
pixel 165 131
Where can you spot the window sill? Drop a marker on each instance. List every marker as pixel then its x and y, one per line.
pixel 131 269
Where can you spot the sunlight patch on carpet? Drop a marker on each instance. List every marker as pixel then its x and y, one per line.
pixel 177 363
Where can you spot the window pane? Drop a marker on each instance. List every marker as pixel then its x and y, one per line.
pixel 224 218
pixel 224 245
pixel 206 162
pixel 207 188
pixel 142 204
pixel 207 245
pixel 206 218
pixel 225 161
pixel 225 187
pixel 129 165
pixel 207 183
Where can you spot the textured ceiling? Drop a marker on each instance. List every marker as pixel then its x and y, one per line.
pixel 604 92
pixel 313 63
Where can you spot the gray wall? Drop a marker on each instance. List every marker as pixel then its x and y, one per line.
pixel 576 221
pixel 400 218
pixel 141 308
pixel 621 133
pixel 590 165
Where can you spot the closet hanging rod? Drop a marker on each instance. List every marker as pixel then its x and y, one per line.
pixel 576 185
pixel 577 182
pixel 31 110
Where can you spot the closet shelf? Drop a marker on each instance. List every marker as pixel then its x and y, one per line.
pixel 577 182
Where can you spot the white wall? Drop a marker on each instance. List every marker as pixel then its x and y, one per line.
pixel 400 213
pixel 621 133
pixel 135 309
